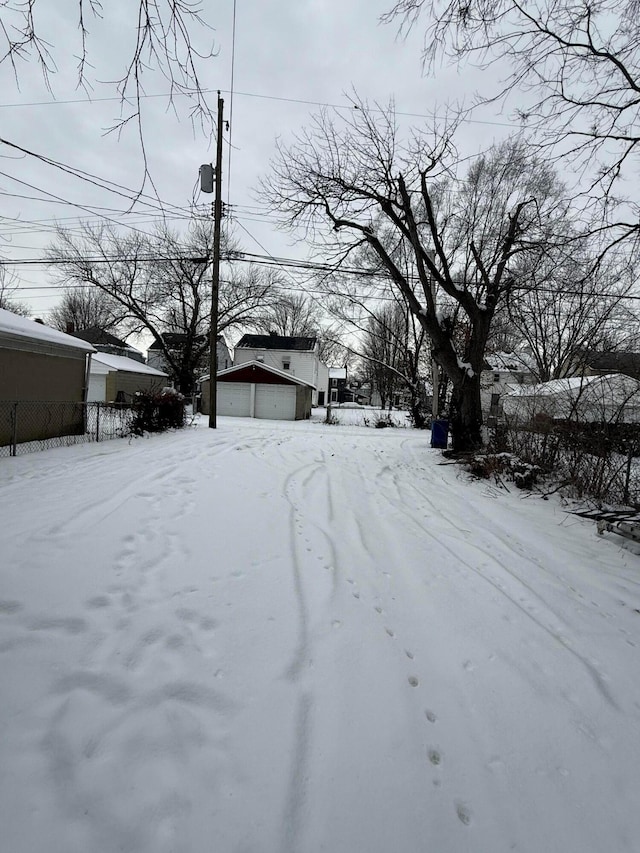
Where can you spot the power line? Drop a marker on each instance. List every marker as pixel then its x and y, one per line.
pixel 272 261
pixel 102 183
pixel 259 96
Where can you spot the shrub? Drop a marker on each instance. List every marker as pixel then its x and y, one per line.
pixel 157 411
pixel 499 465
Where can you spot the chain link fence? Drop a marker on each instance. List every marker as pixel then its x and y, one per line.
pixel 26 427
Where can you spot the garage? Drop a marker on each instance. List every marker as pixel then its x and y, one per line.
pixel 257 390
pixel 235 400
pixel 276 401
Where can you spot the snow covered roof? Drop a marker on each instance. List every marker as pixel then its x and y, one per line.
pixel 120 362
pixel 20 330
pixel 508 361
pixel 569 384
pixel 337 373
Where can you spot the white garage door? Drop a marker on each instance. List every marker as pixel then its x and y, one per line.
pixel 234 398
pixel 276 401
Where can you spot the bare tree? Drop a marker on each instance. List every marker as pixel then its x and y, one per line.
pixel 578 63
pixel 86 308
pixel 463 235
pixel 291 314
pixel 569 307
pixel 164 41
pixel 8 288
pixel 162 287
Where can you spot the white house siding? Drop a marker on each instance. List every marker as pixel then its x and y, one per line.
pixel 303 365
pixel 323 380
pixel 97 388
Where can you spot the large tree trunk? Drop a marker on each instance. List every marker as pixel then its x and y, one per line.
pixel 466 416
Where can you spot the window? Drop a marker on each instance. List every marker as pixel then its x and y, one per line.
pixel 334 394
pixel 496 377
pixel 334 383
pixel 286 364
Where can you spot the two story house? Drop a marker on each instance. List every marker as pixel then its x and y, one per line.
pixel 502 371
pixel 299 356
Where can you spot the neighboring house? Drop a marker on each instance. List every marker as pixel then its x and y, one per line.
pixel 175 341
pixel 338 391
pixel 365 394
pixel 115 379
pixel 39 364
pixel 501 372
pixel 613 398
pixel 599 363
pixel 104 341
pixel 257 390
pixel 297 356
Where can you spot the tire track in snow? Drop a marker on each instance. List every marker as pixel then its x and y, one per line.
pixel 298 777
pixel 595 676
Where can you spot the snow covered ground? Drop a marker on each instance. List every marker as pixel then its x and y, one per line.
pixel 289 638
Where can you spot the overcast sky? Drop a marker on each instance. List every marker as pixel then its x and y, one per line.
pixel 289 56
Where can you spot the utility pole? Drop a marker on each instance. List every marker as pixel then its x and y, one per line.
pixel 215 275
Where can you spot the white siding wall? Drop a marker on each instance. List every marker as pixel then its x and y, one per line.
pixel 97 388
pixel 303 365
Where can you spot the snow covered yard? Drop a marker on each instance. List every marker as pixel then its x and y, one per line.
pixel 290 637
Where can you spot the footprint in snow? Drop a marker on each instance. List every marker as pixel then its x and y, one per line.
pixel 389 632
pixel 430 716
pixel 97 602
pixel 9 607
pixel 434 757
pixel 464 813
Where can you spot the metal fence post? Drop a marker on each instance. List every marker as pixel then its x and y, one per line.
pixel 98 421
pixel 14 430
pixel 627 479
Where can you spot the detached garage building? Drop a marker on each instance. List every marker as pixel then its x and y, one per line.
pixel 114 378
pixel 256 390
pixel 44 372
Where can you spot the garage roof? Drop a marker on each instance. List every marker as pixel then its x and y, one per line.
pixel 261 372
pixel 24 333
pixel 128 365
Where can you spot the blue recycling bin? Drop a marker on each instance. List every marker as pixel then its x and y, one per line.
pixel 439 434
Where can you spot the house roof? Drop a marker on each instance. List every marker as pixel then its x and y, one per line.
pixel 569 384
pixel 272 341
pixel 96 335
pixel 121 363
pixel 19 330
pixel 176 339
pixel 511 361
pixel 258 367
pixel 615 362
